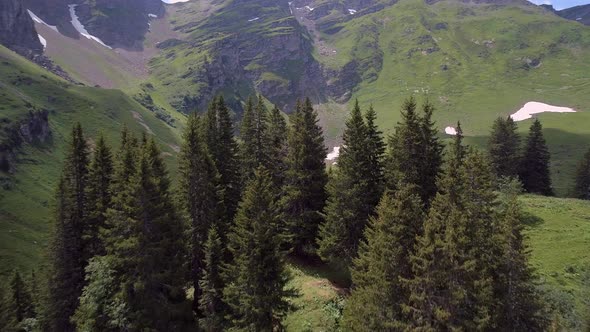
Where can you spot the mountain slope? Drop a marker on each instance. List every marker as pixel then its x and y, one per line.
pixel 16 28
pixel 579 14
pixel 37 111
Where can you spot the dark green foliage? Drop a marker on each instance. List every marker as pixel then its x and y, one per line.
pixel 582 181
pixel 256 278
pixel 520 306
pixel 16 304
pixel 375 147
pixel 277 148
pixel 534 168
pixel 305 178
pixel 211 302
pixel 223 148
pixel 504 147
pixel 199 198
pixel 378 292
pixel 145 249
pixel 100 178
pixel 67 247
pixel 452 286
pixel 415 153
pixel 255 140
pixel 353 190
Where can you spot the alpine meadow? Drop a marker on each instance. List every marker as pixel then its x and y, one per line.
pixel 305 165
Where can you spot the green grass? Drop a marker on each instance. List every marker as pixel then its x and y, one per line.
pixel 559 239
pixel 26 204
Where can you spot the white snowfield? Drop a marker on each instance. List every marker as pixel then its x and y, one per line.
pixel 174 1
pixel 334 154
pixel 533 107
pixel 152 16
pixel 43 41
pixel 40 21
pixel 80 27
pixel 451 131
pixel 352 11
pixel 254 19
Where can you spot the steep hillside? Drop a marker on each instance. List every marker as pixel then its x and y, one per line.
pixel 16 28
pixel 579 14
pixel 37 111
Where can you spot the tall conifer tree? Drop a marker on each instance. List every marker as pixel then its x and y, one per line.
pixel 100 178
pixel 351 192
pixel 375 147
pixel 256 278
pixel 199 197
pixel 504 146
pixel 211 302
pixel 534 168
pixel 255 140
pixel 582 180
pixel 277 148
pixel 415 153
pixel 67 245
pixel 305 178
pixel 378 292
pixel 224 151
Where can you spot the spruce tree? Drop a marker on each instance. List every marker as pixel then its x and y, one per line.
pixel 224 151
pixel 67 246
pixel 378 293
pixel 277 148
pixel 254 134
pixel 503 147
pixel 256 278
pixel 145 247
pixel 375 150
pixel 534 168
pixel 351 195
pixel 451 288
pixel 305 179
pixel 520 305
pixel 415 153
pixel 432 155
pixel 211 302
pixel 582 180
pixel 199 197
pixel 100 178
pixel 16 304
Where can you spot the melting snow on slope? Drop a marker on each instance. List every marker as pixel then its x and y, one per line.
pixel 40 21
pixel 43 41
pixel 334 154
pixel 533 107
pixel 173 1
pixel 254 19
pixel 152 15
pixel 80 27
pixel 352 11
pixel 451 131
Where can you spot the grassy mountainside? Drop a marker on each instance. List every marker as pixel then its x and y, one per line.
pixel 26 194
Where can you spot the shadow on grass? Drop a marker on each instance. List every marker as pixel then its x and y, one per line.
pixel 339 277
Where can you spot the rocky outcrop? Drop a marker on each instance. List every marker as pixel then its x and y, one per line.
pixel 32 129
pixel 17 30
pixel 119 23
pixel 579 14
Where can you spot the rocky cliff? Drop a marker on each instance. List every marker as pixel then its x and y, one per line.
pixel 17 30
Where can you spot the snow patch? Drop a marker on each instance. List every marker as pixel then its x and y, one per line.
pixel 40 21
pixel 174 1
pixel 334 154
pixel 254 19
pixel 80 27
pixel 352 11
pixel 306 7
pixel 451 131
pixel 290 8
pixel 152 16
pixel 533 107
pixel 43 41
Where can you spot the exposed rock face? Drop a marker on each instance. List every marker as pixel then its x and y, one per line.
pixel 17 30
pixel 32 129
pixel 579 13
pixel 119 23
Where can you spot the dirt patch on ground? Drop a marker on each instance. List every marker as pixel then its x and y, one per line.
pixel 139 119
